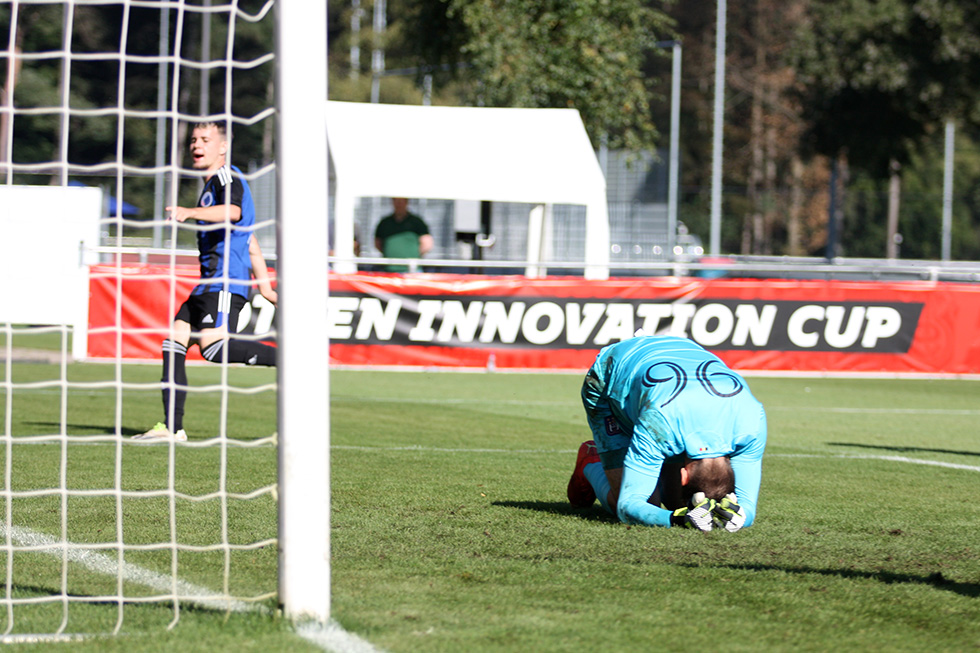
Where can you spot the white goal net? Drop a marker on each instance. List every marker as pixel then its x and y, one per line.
pixel 102 532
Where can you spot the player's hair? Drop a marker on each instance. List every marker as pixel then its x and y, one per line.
pixel 713 476
pixel 220 125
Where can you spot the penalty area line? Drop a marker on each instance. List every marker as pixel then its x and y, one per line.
pixel 101 563
pixel 419 448
pixel 876 411
pixel 330 637
pixel 892 459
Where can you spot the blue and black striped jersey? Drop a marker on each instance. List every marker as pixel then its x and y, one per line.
pixel 222 244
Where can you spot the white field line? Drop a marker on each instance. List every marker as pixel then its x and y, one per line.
pixel 420 448
pixel 44 639
pixel 572 404
pixel 891 459
pixel 457 401
pixel 101 563
pixel 894 459
pixel 330 637
pixel 449 401
pixel 877 411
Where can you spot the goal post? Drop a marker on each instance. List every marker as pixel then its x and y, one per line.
pixel 236 517
pixel 304 425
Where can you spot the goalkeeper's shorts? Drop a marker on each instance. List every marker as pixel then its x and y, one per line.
pixel 612 434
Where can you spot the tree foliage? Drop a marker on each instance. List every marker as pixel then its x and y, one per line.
pixel 876 77
pixel 774 201
pixel 806 80
pixel 581 54
pixel 100 80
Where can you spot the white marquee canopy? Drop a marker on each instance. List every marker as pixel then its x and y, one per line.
pixel 538 156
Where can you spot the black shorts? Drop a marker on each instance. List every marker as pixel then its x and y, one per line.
pixel 212 310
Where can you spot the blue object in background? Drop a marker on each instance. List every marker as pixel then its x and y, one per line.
pixel 112 205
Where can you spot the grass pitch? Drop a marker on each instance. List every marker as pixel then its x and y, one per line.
pixel 451 530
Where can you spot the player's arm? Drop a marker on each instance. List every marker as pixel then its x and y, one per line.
pixel 260 271
pixel 748 478
pixel 747 466
pixel 214 214
pixel 632 507
pixel 641 472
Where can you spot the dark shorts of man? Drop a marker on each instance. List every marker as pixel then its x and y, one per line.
pixel 212 310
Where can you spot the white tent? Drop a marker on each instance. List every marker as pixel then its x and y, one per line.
pixel 538 156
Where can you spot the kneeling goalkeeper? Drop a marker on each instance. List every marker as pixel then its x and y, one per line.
pixel 678 437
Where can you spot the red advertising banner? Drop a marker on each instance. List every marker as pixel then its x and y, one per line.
pixel 561 323
pixel 136 304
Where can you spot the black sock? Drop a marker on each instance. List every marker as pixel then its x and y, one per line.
pixel 174 381
pixel 249 352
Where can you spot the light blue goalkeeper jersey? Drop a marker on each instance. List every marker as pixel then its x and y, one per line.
pixel 679 399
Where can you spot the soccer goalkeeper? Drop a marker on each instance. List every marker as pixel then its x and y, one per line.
pixel 229 255
pixel 672 426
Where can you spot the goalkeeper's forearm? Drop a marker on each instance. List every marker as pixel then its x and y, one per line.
pixel 635 510
pixel 634 491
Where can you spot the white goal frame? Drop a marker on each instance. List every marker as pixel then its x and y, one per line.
pixel 304 415
pixel 302 421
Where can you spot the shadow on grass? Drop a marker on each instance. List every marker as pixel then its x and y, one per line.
pixel 935 579
pixel 595 513
pixel 85 429
pixel 902 449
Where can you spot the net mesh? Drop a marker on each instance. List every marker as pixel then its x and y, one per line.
pixel 99 529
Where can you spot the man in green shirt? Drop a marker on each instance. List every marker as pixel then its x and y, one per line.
pixel 402 235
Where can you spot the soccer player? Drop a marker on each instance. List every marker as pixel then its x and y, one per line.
pixel 672 425
pixel 225 214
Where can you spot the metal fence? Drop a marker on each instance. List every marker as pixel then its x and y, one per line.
pixel 637 205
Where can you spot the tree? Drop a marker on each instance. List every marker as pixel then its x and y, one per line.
pixel 767 184
pixel 586 54
pixel 922 190
pixel 765 125
pixel 93 139
pixel 876 78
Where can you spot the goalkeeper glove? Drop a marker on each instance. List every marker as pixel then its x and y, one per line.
pixel 698 515
pixel 728 514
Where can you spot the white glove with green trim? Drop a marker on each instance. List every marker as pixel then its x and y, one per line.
pixel 728 514
pixel 698 515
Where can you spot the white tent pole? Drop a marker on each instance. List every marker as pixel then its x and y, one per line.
pixel 597 236
pixel 547 237
pixel 535 222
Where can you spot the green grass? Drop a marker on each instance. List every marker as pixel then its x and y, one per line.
pixel 451 531
pixel 48 338
pixel 448 548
